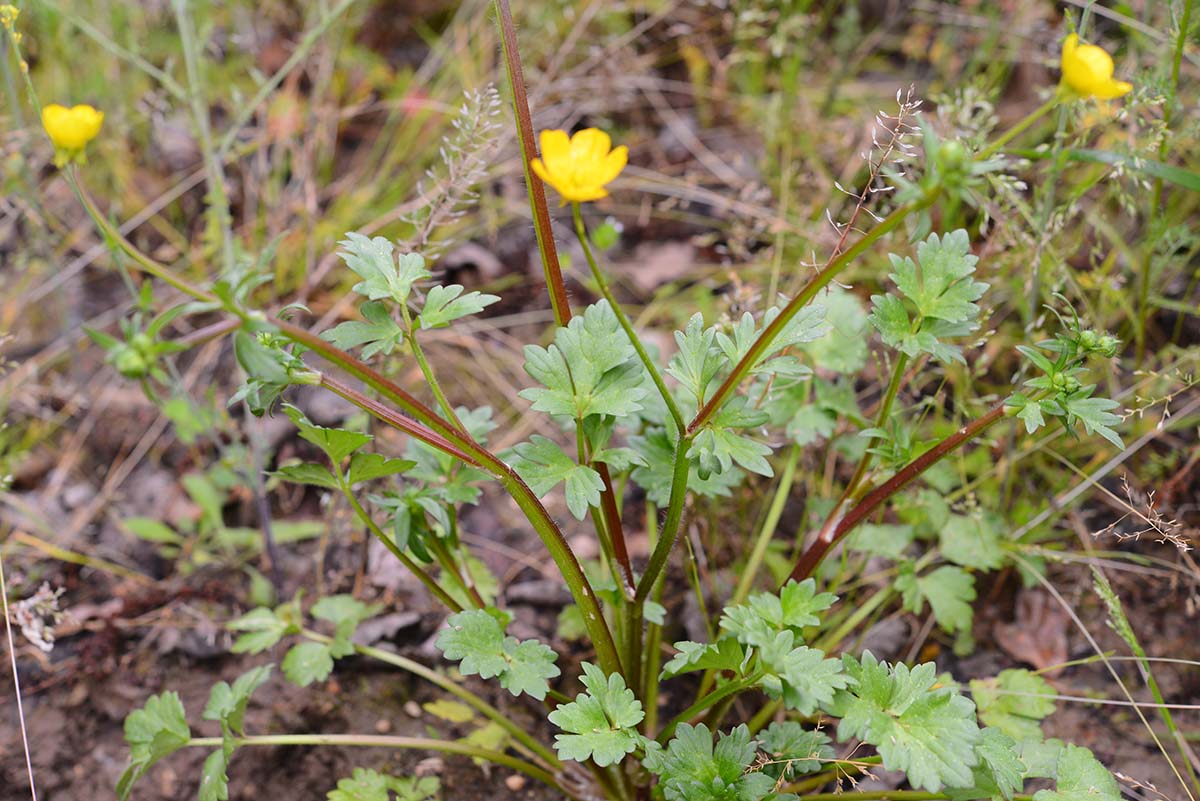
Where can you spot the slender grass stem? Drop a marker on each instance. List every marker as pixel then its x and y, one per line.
pixel 767 532
pixel 458 691
pixel 1147 266
pixel 383 741
pixel 1019 127
pixel 12 654
pixel 214 171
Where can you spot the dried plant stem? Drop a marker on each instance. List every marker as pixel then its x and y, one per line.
pixel 12 653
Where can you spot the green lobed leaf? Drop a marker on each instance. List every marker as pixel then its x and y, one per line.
pixel 844 348
pixel 691 769
pixel 376 333
pixel 476 640
pixel 159 728
pixel 1014 702
pixel 384 277
pixel 345 612
pixel 370 785
pixel 370 466
pixel 262 629
pixel 338 443
pixel 926 731
pixel 600 723
pixel 1096 416
pixel 658 449
pixel 941 286
pixel 698 359
pixel 590 369
pixel 794 750
pixel 1080 777
pixel 445 304
pixel 998 758
pixel 227 703
pixel 881 539
pixel 1041 757
pixel 214 782
pixel 543 465
pixel 726 654
pixel 758 621
pixel 973 540
pixel 949 591
pixel 801 676
pixel 308 662
pixel 307 473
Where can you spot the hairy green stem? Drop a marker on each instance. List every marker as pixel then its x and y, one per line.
pixel 435 386
pixel 626 325
pixel 405 559
pixel 1019 127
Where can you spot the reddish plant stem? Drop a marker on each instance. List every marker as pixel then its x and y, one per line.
pixel 831 535
pixel 559 301
pixel 537 192
pixel 395 419
pixel 612 519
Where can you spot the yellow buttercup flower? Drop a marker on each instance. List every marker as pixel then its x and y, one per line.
pixel 70 129
pixel 579 167
pixel 1087 70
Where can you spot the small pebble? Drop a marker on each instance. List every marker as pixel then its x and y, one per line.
pixel 412 709
pixel 383 726
pixel 515 783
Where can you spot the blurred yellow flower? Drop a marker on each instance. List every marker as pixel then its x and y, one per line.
pixel 70 129
pixel 1087 70
pixel 579 166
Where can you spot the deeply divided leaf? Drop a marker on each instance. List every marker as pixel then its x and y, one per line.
pixel 476 640
pixel 926 731
pixel 600 724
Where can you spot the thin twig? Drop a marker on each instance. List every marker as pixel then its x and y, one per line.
pixel 12 651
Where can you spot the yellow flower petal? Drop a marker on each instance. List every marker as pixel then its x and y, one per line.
pixel 1087 70
pixel 579 166
pixel 556 146
pixel 70 129
pixel 614 162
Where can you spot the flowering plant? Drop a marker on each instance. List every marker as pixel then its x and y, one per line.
pixel 627 425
